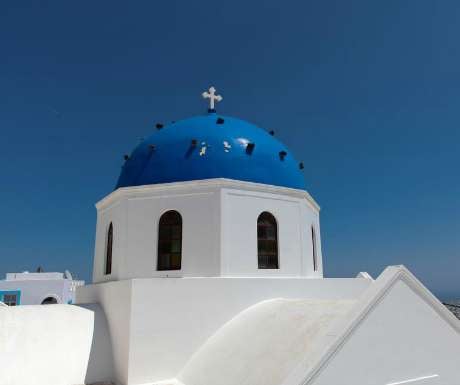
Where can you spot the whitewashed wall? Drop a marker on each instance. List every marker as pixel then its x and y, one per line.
pixel 100 365
pixel 115 299
pixel 157 324
pixel 44 345
pixel 294 216
pixel 219 229
pixel 115 212
pixel 402 341
pixel 33 292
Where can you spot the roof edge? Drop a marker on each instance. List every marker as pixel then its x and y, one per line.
pixel 132 191
pixel 340 332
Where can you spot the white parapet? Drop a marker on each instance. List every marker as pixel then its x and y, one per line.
pixel 45 345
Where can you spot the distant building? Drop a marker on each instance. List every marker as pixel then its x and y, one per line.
pixel 38 288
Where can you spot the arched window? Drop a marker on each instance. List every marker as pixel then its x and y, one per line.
pixel 313 242
pixel 108 251
pixel 267 241
pixel 170 241
pixel 49 301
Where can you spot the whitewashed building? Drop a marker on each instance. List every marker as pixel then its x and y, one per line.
pixel 39 288
pixel 208 271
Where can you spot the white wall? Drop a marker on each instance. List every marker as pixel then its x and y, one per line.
pixel 294 215
pixel 264 343
pixel 200 236
pixel 100 365
pixel 161 322
pixel 115 212
pixel 135 220
pixel 44 345
pixel 219 235
pixel 115 299
pixel 34 291
pixel 402 339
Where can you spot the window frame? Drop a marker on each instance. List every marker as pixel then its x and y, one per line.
pixel 161 264
pixel 8 301
pixel 314 245
pixel 108 255
pixel 269 265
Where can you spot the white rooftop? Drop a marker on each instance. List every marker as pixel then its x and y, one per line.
pixel 26 276
pixel 238 354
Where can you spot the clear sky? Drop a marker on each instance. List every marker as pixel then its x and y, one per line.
pixel 366 93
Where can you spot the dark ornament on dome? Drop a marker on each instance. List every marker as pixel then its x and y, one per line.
pixel 250 148
pixel 301 165
pixel 159 126
pixel 271 132
pixel 126 157
pixel 282 154
pixel 152 146
pixel 220 121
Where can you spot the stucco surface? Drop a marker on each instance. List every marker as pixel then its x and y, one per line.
pixel 100 366
pixel 402 338
pixel 157 324
pixel 34 291
pixel 219 230
pixel 264 343
pixel 44 345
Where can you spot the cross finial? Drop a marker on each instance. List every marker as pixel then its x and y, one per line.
pixel 211 95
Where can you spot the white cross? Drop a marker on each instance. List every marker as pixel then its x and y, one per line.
pixel 211 95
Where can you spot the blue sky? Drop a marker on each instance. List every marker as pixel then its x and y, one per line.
pixel 366 93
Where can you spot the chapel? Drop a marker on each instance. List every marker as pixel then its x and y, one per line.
pixel 208 270
pixel 208 196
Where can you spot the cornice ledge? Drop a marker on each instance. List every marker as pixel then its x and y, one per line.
pixel 126 192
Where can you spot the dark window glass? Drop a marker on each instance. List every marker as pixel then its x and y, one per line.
pixel 267 241
pixel 313 240
pixel 170 241
pixel 108 251
pixel 10 299
pixel 49 301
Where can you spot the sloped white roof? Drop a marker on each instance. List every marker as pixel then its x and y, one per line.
pixel 288 342
pixel 263 344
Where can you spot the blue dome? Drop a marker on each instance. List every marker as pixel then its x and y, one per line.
pixel 211 146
